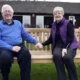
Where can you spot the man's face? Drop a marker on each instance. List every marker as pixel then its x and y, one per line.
pixel 7 14
pixel 58 16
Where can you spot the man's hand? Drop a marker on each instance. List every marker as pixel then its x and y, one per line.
pixel 64 52
pixel 39 45
pixel 16 48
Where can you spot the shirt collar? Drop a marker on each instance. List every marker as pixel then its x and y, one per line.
pixel 7 23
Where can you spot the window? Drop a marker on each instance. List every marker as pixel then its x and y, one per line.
pixel 40 21
pixel 72 18
pixel 26 20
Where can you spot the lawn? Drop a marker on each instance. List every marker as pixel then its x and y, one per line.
pixel 38 72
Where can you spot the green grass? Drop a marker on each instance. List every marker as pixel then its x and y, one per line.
pixel 38 72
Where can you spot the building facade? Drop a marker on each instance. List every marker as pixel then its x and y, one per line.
pixel 40 14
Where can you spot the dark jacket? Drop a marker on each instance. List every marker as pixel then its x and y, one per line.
pixel 71 42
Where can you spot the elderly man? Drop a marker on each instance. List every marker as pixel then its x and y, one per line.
pixel 12 35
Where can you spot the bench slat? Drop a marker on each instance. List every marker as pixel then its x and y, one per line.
pixel 44 55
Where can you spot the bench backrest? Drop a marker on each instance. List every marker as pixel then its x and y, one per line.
pixel 43 34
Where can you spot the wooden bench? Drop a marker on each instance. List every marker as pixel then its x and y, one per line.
pixel 44 55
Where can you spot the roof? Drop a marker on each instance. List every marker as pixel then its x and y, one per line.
pixel 41 7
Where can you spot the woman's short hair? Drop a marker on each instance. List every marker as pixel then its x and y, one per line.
pixel 6 6
pixel 58 9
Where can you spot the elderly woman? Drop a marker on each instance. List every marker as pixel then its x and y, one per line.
pixel 64 45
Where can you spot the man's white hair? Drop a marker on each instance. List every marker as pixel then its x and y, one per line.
pixel 58 9
pixel 6 6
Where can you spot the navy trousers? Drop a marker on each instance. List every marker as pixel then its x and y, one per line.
pixel 24 61
pixel 66 61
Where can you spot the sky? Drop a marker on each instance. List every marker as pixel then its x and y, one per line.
pixel 72 1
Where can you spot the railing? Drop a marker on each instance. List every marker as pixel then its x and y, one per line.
pixel 44 55
pixel 42 34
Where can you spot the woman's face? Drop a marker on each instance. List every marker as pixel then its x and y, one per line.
pixel 58 15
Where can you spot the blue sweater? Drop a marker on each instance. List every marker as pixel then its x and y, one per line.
pixel 12 35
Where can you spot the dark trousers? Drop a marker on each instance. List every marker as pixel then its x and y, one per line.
pixel 24 61
pixel 66 61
